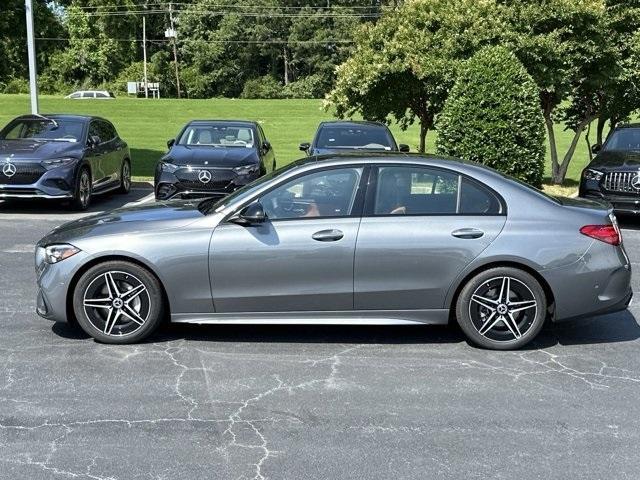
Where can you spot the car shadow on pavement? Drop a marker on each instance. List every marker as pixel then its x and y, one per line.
pixel 614 328
pixel 99 203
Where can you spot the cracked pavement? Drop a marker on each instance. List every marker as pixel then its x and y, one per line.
pixel 259 402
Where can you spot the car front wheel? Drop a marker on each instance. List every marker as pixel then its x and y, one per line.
pixel 82 191
pixel 125 177
pixel 501 308
pixel 118 302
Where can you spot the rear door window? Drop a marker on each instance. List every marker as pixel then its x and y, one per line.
pixel 416 190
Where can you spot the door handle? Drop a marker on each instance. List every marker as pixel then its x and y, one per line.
pixel 467 233
pixel 328 235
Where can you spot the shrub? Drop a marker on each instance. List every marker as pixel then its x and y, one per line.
pixel 16 85
pixel 313 86
pixel 262 87
pixel 492 116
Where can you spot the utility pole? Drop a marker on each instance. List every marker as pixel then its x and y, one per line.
pixel 174 35
pixel 144 55
pixel 31 48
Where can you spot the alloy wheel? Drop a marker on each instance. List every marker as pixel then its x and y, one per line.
pixel 84 192
pixel 503 309
pixel 117 303
pixel 126 176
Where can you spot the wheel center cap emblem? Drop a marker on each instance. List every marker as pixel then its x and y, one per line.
pixel 204 176
pixel 502 309
pixel 635 182
pixel 9 169
pixel 117 303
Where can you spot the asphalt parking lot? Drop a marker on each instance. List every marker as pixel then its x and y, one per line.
pixel 285 402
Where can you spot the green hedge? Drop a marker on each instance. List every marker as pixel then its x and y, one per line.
pixel 492 116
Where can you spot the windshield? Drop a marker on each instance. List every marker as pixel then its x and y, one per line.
pixel 627 139
pixel 211 205
pixel 60 130
pixel 217 135
pixel 356 137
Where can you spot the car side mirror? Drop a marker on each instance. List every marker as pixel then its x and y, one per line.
pixel 596 148
pixel 403 147
pixel 266 146
pixel 250 215
pixel 304 147
pixel 171 143
pixel 94 141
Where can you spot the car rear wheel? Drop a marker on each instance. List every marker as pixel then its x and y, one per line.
pixel 125 177
pixel 82 191
pixel 501 308
pixel 118 302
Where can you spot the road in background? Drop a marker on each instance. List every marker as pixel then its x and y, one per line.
pixel 243 402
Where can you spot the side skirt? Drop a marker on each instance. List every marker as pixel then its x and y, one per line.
pixel 354 317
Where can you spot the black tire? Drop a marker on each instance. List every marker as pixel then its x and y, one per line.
pixel 82 191
pixel 491 319
pixel 125 177
pixel 130 319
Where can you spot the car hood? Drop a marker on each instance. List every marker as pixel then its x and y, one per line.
pixel 213 156
pixel 30 150
pixel 129 220
pixel 616 160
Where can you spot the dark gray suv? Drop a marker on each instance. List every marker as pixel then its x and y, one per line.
pixel 67 157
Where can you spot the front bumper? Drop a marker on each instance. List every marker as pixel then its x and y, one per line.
pixel 53 282
pixel 185 183
pixel 627 202
pixel 57 183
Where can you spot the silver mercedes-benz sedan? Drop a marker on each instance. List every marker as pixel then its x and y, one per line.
pixel 346 240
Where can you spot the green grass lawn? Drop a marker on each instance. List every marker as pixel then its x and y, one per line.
pixel 147 124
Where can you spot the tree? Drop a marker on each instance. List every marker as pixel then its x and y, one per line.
pixel 569 52
pixel 492 116
pixel 405 64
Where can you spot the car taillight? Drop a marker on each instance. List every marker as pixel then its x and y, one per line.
pixel 605 233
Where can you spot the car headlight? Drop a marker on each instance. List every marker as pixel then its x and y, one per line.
pixel 246 169
pixel 57 162
pixel 169 167
pixel 57 253
pixel 591 174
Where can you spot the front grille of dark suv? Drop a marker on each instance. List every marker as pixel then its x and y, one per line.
pixel 220 178
pixel 621 182
pixel 26 174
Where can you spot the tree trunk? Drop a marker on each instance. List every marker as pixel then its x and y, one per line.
pixel 423 136
pixel 588 140
pixel 561 172
pixel 602 121
pixel 551 135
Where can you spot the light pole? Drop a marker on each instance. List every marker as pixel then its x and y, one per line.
pixel 31 49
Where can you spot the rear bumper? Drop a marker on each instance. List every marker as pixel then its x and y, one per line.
pixel 598 283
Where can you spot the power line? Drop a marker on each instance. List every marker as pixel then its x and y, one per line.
pixel 132 40
pixel 240 14
pixel 220 5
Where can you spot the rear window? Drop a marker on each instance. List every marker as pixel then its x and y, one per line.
pixel 364 137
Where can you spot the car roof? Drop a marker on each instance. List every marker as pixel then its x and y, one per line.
pixel 62 116
pixel 230 122
pixel 351 123
pixel 628 125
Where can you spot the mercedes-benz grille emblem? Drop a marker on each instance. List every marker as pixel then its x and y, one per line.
pixel 204 176
pixel 635 182
pixel 9 170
